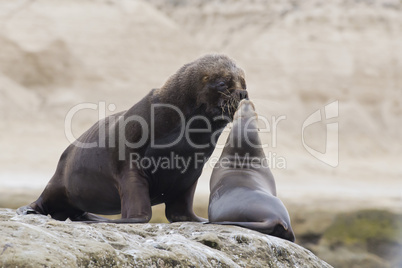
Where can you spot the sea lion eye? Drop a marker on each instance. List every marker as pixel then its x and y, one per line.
pixel 222 85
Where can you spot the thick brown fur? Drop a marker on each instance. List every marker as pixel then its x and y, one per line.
pixel 103 179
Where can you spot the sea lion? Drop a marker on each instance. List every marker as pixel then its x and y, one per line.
pixel 243 190
pixel 116 165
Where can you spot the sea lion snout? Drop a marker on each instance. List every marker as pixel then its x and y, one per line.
pixel 246 108
pixel 241 94
pixel 248 103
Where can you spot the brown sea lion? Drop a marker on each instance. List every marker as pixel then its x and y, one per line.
pixel 243 190
pixel 115 166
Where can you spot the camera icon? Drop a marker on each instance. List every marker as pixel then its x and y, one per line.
pixel 331 154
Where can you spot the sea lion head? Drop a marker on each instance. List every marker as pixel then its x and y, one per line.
pixel 223 85
pixel 244 137
pixel 245 109
pixel 212 84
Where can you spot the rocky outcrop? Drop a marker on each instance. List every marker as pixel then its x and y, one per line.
pixel 36 240
pixel 364 238
pixel 56 54
pixel 311 52
pixel 56 46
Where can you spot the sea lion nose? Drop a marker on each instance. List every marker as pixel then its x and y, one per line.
pixel 242 94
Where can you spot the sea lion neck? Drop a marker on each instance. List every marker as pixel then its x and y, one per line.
pixel 178 95
pixel 243 139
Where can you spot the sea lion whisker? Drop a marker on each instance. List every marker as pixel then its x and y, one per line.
pixel 225 94
pixel 222 110
pixel 228 107
pixel 233 103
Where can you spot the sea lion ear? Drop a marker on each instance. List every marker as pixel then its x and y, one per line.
pixel 205 79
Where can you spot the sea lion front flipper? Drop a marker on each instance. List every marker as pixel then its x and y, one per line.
pixel 181 208
pixel 135 199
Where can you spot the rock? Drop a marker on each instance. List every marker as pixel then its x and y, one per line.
pixel 36 240
pixel 312 52
pixel 344 257
pixel 309 225
pixel 65 52
pixel 363 238
pixel 16 101
pixel 369 238
pixel 377 230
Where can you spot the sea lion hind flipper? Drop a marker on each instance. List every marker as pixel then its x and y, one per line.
pixel 89 217
pixel 93 218
pixel 25 210
pixel 263 227
pixel 269 227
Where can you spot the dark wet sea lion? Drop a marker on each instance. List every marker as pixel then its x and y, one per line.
pixel 105 171
pixel 243 190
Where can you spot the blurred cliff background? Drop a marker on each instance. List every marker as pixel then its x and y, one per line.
pixel 299 56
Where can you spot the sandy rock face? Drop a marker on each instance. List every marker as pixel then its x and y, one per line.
pixel 35 240
pixel 56 45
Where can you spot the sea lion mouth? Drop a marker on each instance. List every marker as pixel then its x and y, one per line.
pixel 228 106
pixel 229 101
